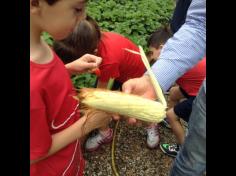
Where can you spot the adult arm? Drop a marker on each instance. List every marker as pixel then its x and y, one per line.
pixel 185 48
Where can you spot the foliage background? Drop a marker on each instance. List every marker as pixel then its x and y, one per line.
pixel 135 19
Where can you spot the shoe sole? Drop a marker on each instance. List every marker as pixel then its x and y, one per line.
pixel 166 152
pixel 96 148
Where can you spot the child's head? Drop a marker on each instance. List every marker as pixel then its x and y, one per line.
pixel 156 42
pixel 84 39
pixel 57 17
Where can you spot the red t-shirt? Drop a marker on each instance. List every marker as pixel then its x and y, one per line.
pixel 52 109
pixel 118 63
pixel 193 78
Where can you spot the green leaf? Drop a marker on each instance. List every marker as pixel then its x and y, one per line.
pixel 135 19
pixel 84 80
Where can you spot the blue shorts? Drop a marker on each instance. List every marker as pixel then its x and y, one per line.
pixel 184 109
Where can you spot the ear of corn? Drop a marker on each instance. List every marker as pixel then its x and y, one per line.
pixel 123 104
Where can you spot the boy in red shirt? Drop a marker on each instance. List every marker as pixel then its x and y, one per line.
pixel 117 62
pixel 187 88
pixel 55 122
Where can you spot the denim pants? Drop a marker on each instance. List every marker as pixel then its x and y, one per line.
pixel 191 159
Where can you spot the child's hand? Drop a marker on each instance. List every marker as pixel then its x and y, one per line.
pixel 96 71
pixel 96 119
pixel 145 89
pixel 84 64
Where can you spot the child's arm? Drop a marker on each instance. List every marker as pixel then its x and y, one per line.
pixel 83 64
pixel 92 120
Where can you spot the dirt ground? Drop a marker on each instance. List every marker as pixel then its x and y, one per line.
pixel 132 157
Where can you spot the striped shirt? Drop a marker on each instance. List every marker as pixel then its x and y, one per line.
pixel 185 48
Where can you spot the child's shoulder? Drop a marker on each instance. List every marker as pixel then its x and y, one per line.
pixel 113 35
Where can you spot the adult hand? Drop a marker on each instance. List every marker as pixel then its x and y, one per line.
pixel 140 86
pixel 84 64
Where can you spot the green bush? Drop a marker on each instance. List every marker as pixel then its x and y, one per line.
pixel 135 19
pixel 84 80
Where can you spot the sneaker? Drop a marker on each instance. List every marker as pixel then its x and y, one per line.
pixel 93 143
pixel 166 123
pixel 170 149
pixel 152 137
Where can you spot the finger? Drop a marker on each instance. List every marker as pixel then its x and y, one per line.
pixel 132 121
pixel 88 66
pixel 127 87
pixel 116 117
pixel 92 59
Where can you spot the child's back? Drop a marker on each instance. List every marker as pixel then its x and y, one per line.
pixel 117 62
pixel 192 80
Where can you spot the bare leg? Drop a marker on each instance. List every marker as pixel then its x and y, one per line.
pixel 176 126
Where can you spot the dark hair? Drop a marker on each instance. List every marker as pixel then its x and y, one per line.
pixel 84 39
pixel 159 37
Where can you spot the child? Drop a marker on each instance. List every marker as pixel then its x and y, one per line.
pixel 156 42
pixel 55 122
pixel 187 87
pixel 117 62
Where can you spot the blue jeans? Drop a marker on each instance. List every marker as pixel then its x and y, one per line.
pixel 191 159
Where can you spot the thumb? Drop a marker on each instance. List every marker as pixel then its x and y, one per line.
pixel 92 59
pixel 89 65
pixel 127 87
pixel 132 121
pixel 116 117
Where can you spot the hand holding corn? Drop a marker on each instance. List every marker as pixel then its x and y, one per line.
pixel 95 119
pixel 140 86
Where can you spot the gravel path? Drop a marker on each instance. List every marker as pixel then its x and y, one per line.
pixel 132 156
